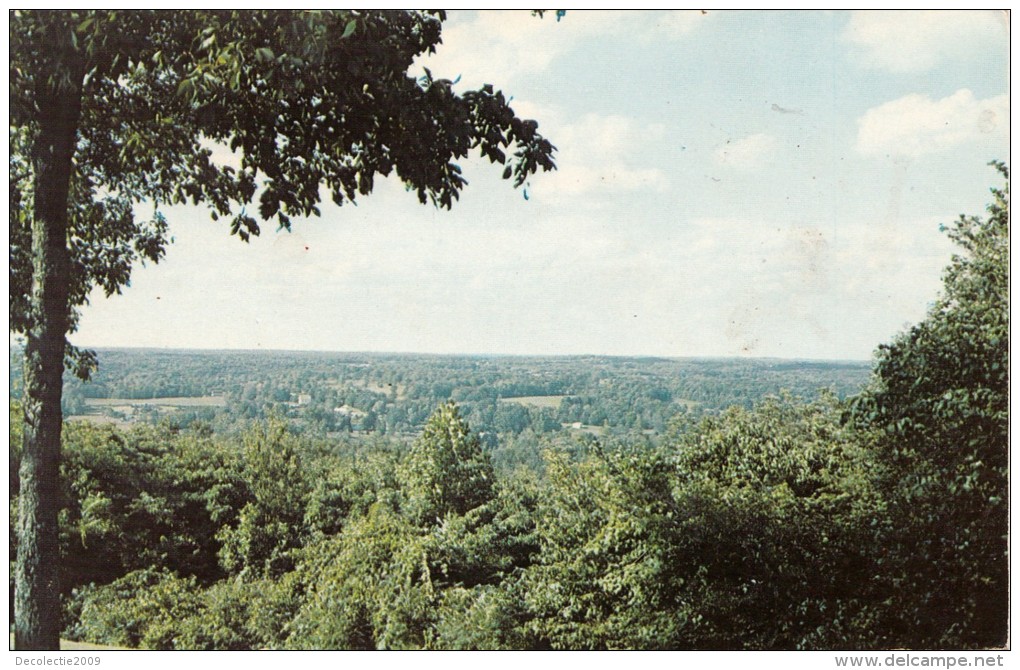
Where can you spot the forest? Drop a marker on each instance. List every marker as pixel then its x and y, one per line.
pixel 515 404
pixel 370 501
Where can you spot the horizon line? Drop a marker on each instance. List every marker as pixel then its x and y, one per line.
pixel 803 359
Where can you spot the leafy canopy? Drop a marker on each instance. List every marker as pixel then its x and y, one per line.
pixel 446 471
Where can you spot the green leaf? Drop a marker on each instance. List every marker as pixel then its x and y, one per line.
pixel 349 29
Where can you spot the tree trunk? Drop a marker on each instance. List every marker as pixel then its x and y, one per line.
pixel 37 589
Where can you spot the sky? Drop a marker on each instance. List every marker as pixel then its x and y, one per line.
pixel 760 183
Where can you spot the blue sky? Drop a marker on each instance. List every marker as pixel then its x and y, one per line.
pixel 730 184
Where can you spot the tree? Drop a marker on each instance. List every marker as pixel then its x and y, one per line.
pixel 604 525
pixel 269 526
pixel 940 399
pixel 745 532
pixel 446 471
pixel 368 588
pixel 140 610
pixel 774 507
pixel 110 109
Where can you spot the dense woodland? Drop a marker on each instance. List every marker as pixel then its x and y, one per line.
pixel 653 504
pixel 515 404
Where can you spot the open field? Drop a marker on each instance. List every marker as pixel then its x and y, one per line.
pixel 582 428
pixel 550 401
pixel 372 386
pixel 377 387
pixel 182 401
pixel 99 419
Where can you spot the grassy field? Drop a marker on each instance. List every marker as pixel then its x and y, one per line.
pixel 182 401
pixel 550 401
pixel 120 411
pixel 582 428
pixel 99 419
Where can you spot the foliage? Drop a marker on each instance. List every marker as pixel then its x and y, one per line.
pixel 221 622
pixel 348 488
pixel 237 615
pixel 878 522
pixel 601 579
pixel 269 526
pixel 510 402
pixel 143 499
pixel 149 609
pixel 446 471
pixel 684 548
pixel 369 588
pixel 483 618
pixel 775 507
pixel 143 609
pixel 389 576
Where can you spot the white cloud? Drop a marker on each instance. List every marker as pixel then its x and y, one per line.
pixel 914 41
pixel 494 46
pixel 642 25
pixel 604 256
pixel 574 180
pixel 915 125
pixel 747 152
pixel 762 285
pixel 501 46
pixel 599 153
pixel 608 136
pixel 596 153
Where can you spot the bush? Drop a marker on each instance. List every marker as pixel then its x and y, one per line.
pixel 144 609
pixel 237 615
